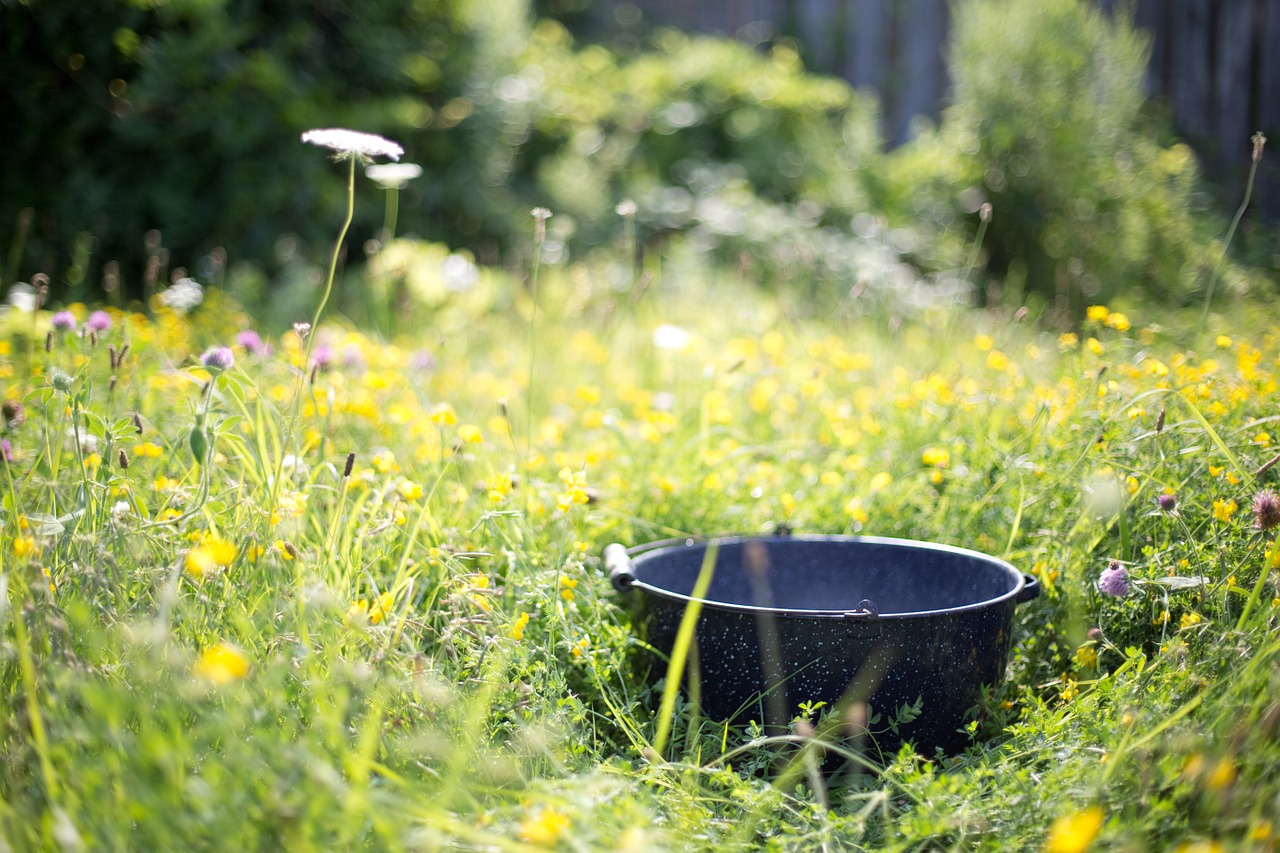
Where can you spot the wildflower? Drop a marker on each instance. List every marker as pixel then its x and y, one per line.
pixel 1086 657
pixel 1167 502
pixel 544 828
pixel 13 414
pixel 211 555
pixel 1117 321
pixel 182 296
pixel 1222 342
pixel 352 144
pixel 1223 510
pixel 24 546
pixel 516 632
pixel 670 338
pixel 322 358
pixel 540 217
pixel 60 381
pixel 1096 313
pixel 1075 832
pixel 99 321
pixel 64 321
pixel 218 359
pixel 936 457
pixel 221 663
pixel 1114 580
pixel 287 550
pixel 302 330
pixel 253 343
pixel 1266 510
pixel 393 176
pixel 380 608
pixel 470 434
pixel 6 450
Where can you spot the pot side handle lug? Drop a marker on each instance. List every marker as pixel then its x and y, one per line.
pixel 618 563
pixel 1030 588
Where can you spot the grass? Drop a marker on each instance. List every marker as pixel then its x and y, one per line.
pixel 418 648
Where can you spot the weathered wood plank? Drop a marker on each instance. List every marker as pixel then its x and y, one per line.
pixel 922 32
pixel 1232 73
pixel 1190 81
pixel 1153 16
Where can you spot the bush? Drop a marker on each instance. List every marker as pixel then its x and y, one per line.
pixel 1049 113
pixel 185 116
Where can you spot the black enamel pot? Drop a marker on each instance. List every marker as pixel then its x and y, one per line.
pixel 864 624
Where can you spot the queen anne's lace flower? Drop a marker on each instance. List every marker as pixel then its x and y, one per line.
pixel 393 176
pixel 353 143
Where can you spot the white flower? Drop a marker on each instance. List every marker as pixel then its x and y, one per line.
pixel 23 297
pixel 120 510
pixel 393 175
pixel 183 295
pixel 670 337
pixel 353 143
pixel 459 273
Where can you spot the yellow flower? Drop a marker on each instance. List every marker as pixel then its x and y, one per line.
pixel 211 555
pixel 1118 321
pixel 444 415
pixel 1094 346
pixel 221 663
pixel 1075 832
pixel 516 632
pixel 1068 340
pixel 1097 313
pixel 1189 619
pixel 936 457
pixel 381 607
pixel 983 343
pixel 544 828
pixel 1086 657
pixel 1222 342
pixel 1223 510
pixel 1262 438
pixel 854 509
pixel 24 546
pixel 880 480
pixel 409 490
pixel 286 550
pixel 470 434
pixel 148 449
pixel 1222 775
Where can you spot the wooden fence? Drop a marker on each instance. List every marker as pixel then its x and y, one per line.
pixel 1216 63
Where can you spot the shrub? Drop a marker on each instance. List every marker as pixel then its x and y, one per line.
pixel 1049 108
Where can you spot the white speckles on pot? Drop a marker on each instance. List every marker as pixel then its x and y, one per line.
pixel 937 627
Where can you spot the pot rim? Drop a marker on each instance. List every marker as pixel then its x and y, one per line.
pixel 1025 589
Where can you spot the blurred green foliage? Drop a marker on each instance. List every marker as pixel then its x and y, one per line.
pixel 183 116
pixel 1049 123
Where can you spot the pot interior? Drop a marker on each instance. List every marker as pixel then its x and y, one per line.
pixel 832 575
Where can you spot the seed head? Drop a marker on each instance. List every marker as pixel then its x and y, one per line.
pixel 1266 510
pixel 1259 142
pixel 1114 580
pixel 351 463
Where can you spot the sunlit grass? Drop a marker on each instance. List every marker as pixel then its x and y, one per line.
pixel 383 621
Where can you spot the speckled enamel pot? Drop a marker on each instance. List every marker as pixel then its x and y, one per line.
pixel 838 619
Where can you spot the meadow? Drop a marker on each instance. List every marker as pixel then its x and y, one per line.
pixel 318 587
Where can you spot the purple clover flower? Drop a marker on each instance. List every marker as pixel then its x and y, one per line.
pixel 218 358
pixel 322 357
pixel 6 450
pixel 1266 510
pixel 99 321
pixel 1167 502
pixel 64 321
pixel 253 343
pixel 1114 580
